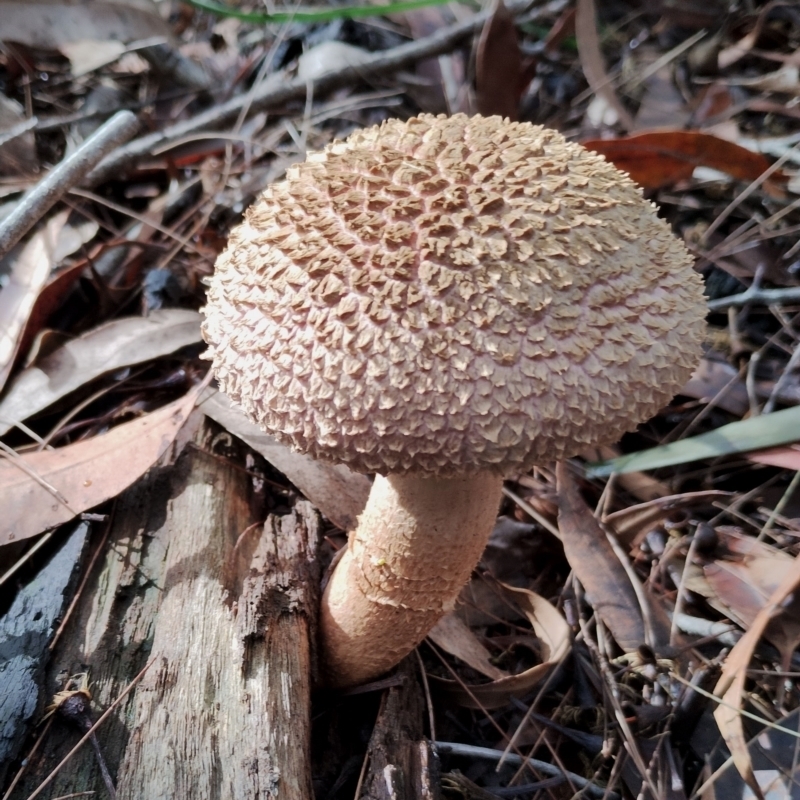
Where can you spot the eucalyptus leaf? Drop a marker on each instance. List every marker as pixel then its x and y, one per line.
pixel 770 430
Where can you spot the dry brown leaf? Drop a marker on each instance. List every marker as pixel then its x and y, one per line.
pixel 730 688
pixel 743 582
pixel 598 568
pixel 29 274
pixel 642 486
pixel 787 457
pixel 498 65
pixel 41 490
pixel 554 636
pixel 117 344
pixel 337 492
pixel 50 24
pixel 657 159
pixel 718 381
pixel 453 636
pixel 592 62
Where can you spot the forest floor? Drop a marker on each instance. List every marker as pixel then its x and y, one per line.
pixel 630 631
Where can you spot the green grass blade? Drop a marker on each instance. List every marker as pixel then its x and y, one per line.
pixel 305 14
pixel 771 430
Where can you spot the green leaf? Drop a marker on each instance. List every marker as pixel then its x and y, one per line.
pixel 301 14
pixel 771 430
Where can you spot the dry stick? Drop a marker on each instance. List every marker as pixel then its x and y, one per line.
pixel 764 297
pixel 743 195
pixel 70 172
pixel 544 767
pixel 49 779
pixel 269 95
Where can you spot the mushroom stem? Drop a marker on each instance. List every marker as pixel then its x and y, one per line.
pixel 416 543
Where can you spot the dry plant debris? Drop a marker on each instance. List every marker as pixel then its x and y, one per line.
pixel 664 667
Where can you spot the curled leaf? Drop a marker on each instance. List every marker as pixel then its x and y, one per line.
pixel 553 633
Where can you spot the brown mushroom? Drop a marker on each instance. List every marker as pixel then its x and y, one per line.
pixel 445 301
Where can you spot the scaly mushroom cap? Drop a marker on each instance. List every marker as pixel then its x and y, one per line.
pixel 450 295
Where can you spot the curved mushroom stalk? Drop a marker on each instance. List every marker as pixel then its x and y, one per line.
pixel 416 543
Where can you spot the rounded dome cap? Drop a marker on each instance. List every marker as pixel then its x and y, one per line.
pixel 449 295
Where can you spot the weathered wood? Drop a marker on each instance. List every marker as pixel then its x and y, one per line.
pixel 225 711
pixel 26 630
pixel 402 763
pixel 180 583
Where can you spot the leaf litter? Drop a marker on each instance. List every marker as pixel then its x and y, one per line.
pixel 607 580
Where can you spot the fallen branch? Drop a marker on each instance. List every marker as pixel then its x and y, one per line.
pixel 69 173
pixel 469 751
pixel 268 94
pixel 764 297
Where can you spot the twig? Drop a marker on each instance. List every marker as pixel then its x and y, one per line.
pixel 270 95
pixel 764 297
pixel 70 172
pixel 35 549
pixel 540 766
pixel 743 195
pixel 532 512
pixel 49 779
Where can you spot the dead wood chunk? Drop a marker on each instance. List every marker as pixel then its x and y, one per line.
pixel 224 608
pixel 402 763
pixel 225 709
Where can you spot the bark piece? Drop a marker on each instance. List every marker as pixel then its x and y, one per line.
pixel 402 763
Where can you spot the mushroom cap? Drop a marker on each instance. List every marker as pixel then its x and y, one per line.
pixel 449 295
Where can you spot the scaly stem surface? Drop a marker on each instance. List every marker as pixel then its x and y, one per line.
pixel 416 543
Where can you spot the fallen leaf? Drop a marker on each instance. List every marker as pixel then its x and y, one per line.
pixel 28 275
pixel 757 433
pixel 337 492
pixel 730 688
pixel 554 637
pixel 718 381
pixel 743 579
pixel 785 457
pixel 117 344
pixel 642 486
pixel 87 55
pixel 498 65
pixel 656 159
pixel 50 24
pixel 453 636
pixel 598 568
pixel 742 582
pixel 41 490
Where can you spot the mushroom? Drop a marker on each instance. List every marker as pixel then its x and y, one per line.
pixel 445 301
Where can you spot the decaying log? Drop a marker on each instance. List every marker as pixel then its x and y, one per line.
pixel 225 614
pixel 402 762
pixel 224 712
